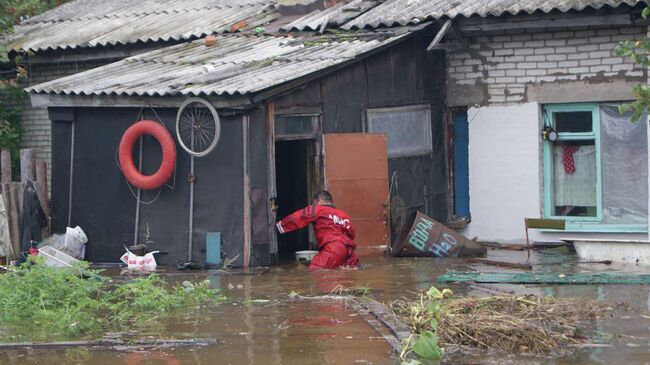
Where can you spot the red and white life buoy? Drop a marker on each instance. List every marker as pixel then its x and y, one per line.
pixel 166 169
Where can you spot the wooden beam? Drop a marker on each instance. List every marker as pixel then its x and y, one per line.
pixel 144 343
pixel 53 100
pixel 271 188
pixel 5 165
pixel 41 178
pixel 441 33
pixel 480 25
pixel 27 165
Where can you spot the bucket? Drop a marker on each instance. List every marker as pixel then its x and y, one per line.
pixel 305 256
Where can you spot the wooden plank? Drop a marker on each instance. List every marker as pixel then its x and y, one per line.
pixel 512 265
pixel 143 343
pixel 547 22
pixel 5 165
pixel 10 194
pixel 45 100
pixel 441 33
pixel 540 223
pixel 41 179
pixel 27 165
pixel 544 278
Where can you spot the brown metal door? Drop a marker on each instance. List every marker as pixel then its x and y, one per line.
pixel 356 173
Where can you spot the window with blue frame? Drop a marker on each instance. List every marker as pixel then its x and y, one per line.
pixel 595 170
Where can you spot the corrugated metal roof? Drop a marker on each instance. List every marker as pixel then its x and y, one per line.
pixel 403 12
pixel 335 16
pixel 88 23
pixel 237 64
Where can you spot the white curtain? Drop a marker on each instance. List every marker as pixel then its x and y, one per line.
pixel 577 188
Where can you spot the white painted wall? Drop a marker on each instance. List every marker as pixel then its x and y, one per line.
pixel 504 175
pixel 504 184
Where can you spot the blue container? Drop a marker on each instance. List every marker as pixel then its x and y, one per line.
pixel 213 249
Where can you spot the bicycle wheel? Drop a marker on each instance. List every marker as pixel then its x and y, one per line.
pixel 197 127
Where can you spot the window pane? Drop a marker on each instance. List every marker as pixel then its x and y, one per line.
pixel 295 125
pixel 573 122
pixel 574 179
pixel 408 129
pixel 625 167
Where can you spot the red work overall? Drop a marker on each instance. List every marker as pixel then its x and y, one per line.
pixel 334 234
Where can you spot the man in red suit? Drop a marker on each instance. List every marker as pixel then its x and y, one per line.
pixel 333 228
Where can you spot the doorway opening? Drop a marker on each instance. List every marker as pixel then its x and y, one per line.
pixel 294 169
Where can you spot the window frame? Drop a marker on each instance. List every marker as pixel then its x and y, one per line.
pixel 417 107
pixel 315 118
pixel 594 135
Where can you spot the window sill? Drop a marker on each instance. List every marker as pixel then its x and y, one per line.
pixel 590 227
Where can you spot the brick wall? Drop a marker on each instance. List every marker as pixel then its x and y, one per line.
pixel 35 122
pixel 504 64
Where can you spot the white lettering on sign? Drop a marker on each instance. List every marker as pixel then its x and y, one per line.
pixel 338 220
pixel 420 235
pixel 448 242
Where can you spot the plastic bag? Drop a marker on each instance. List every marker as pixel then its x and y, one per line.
pixel 140 263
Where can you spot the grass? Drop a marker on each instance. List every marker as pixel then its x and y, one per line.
pixel 44 303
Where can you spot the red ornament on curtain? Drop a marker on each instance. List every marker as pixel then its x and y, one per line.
pixel 567 158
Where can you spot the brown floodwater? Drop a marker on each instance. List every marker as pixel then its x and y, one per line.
pixel 260 324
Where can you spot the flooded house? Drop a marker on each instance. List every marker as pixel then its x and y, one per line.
pixel 491 113
pixel 358 112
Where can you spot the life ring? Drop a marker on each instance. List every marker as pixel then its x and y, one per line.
pixel 166 169
pixel 136 358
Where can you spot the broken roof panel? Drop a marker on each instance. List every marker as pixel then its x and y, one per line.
pixel 403 12
pixel 236 65
pixel 334 16
pixel 89 23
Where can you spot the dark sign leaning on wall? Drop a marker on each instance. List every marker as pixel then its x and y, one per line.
pixel 424 236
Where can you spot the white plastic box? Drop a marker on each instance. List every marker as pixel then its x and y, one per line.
pixel 56 258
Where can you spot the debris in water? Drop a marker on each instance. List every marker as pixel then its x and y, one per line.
pixel 506 323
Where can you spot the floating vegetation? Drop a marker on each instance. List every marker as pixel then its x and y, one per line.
pixel 504 323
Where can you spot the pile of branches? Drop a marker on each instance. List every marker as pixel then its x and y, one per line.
pixel 504 323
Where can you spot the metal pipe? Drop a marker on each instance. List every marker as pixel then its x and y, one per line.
pixel 71 175
pixel 247 203
pixel 191 222
pixel 191 181
pixel 136 230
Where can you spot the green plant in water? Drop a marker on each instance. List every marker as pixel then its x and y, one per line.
pixel 39 302
pixel 425 316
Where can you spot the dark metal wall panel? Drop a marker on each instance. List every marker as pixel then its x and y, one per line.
pixel 344 100
pixel 101 202
pixel 105 208
pixel 218 196
pixel 61 136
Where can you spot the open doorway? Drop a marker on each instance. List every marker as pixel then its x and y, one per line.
pixel 294 176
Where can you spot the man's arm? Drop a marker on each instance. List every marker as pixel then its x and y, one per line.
pixel 296 220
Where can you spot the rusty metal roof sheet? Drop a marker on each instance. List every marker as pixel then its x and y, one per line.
pixel 89 23
pixel 403 12
pixel 237 64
